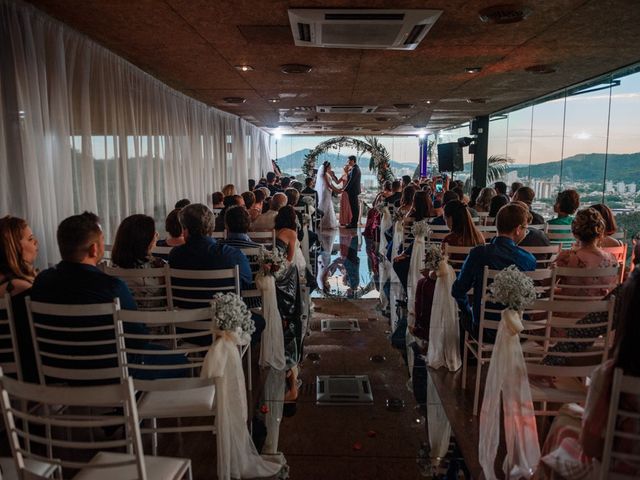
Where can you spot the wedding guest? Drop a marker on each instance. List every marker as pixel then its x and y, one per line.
pixel 534 237
pixel 182 203
pixel 567 202
pixel 496 204
pixel 216 200
pixel 293 196
pixel 297 185
pixel 18 252
pixel 267 220
pixel 610 226
pixel 285 182
pixel 501 189
pixel 475 191
pixel 447 197
pixel 514 188
pixel 252 184
pixel 511 224
pixel 526 196
pixel 396 193
pixel 386 189
pixel 256 209
pixel 463 198
pixel 271 184
pixel 576 437
pixel 406 201
pixel 249 199
pixel 421 208
pixel 237 222
pixel 229 190
pixel 483 202
pixel 308 186
pixel 174 229
pixel 229 201
pixel 406 181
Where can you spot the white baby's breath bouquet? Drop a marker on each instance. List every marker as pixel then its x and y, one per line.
pixel 432 256
pixel 307 200
pixel 231 314
pixel 398 216
pixel 513 289
pixel 306 219
pixel 421 229
pixel 272 262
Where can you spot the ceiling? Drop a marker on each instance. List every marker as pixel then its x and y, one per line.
pixel 193 46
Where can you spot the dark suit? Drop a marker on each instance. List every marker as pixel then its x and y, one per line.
pixel 353 190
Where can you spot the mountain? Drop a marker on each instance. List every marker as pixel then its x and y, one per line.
pixel 296 159
pixel 587 167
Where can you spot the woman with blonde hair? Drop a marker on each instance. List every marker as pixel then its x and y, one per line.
pixel 229 190
pixel 18 252
pixel 483 202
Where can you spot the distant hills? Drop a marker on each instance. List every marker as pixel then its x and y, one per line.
pixel 296 159
pixel 587 167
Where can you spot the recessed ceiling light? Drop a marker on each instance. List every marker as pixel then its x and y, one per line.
pixel 473 69
pixel 293 68
pixel 273 100
pixel 540 69
pixel 234 100
pixel 507 13
pixel 243 68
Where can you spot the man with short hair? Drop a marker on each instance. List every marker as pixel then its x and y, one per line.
pixel 237 222
pixel 515 186
pixel 267 221
pixel 526 196
pixel 182 203
pixel 406 181
pixel 271 183
pixel 228 202
pixel 284 183
pixel 396 188
pixel 353 189
pixel 501 189
pixel 502 252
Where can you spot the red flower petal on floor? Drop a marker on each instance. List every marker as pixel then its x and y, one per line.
pixel 264 409
pixel 357 446
pixel 371 433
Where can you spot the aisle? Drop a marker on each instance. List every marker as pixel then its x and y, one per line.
pixel 322 442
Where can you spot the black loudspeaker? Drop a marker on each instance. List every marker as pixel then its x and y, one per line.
pixel 473 127
pixel 450 157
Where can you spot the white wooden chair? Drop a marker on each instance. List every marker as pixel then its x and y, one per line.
pixel 75 343
pixel 196 288
pixel 480 348
pixel 149 286
pixel 438 232
pixel 9 352
pixel 266 239
pixel 612 454
pixel 596 284
pixel 407 235
pixel 621 255
pixel 218 235
pixel 560 234
pixel 66 417
pixel 567 350
pixel 161 251
pixel 545 255
pixel 252 296
pixel 540 226
pixel 488 231
pixel 456 255
pixel 482 218
pixel 184 396
pixel 621 235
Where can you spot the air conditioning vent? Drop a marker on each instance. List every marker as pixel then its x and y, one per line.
pixel 377 29
pixel 346 108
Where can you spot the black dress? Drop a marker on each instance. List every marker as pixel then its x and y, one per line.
pixel 289 297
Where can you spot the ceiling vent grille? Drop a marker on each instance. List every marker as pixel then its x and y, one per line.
pixel 346 108
pixel 377 29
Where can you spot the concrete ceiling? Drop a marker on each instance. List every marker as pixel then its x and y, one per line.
pixel 193 45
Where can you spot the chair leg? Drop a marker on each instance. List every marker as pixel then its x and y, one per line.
pixel 476 393
pixel 465 358
pixel 189 474
pixel 154 437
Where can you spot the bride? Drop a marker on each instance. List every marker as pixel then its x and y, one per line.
pixel 324 187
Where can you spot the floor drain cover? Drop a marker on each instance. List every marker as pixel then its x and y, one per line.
pixel 343 390
pixel 395 404
pixel 339 325
pixel 377 358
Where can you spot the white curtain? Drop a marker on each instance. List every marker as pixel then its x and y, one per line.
pixel 83 129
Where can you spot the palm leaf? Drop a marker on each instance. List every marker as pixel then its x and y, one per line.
pixel 497 166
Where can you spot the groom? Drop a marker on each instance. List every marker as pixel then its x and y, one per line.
pixel 353 190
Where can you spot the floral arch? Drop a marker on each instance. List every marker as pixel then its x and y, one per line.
pixel 379 162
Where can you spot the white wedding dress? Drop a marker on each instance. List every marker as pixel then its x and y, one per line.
pixel 325 203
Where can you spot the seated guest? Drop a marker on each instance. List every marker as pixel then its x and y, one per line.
pixel 535 237
pixel 448 196
pixel 496 204
pixel 610 226
pixel 216 200
pixel 18 252
pixel 514 188
pixel 406 181
pixel 483 202
pixel 230 201
pixel 526 196
pixel 267 220
pixel 249 199
pixel 463 198
pixel 271 184
pixel 501 189
pixel 135 239
pixel 182 203
pixel 567 202
pixel 396 193
pixel 287 236
pixel 386 189
pixel 297 185
pixel 503 251
pixel 588 227
pixel 421 208
pixel 576 441
pixel 77 280
pixel 252 184
pixel 229 190
pixel 285 182
pixel 174 229
pixel 237 222
pixel 256 209
pixel 406 200
pixel 308 186
pixel 475 192
pixel 293 196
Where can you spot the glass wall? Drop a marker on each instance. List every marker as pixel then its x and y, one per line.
pixel 585 138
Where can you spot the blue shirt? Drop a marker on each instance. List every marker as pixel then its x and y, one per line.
pixel 204 253
pixel 497 255
pixel 239 240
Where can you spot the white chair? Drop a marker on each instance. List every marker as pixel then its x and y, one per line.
pixel 480 348
pixel 482 217
pixel 75 343
pixel 540 226
pixel 545 255
pixel 252 296
pixel 560 234
pixel 621 255
pixel 407 235
pixel 183 337
pixel 9 352
pixel 596 284
pixel 438 232
pixel 568 349
pixel 67 413
pixel 218 235
pixel 621 235
pixel 488 231
pixel 161 251
pixel 456 256
pixel 266 239
pixel 196 288
pixel 149 286
pixel 612 454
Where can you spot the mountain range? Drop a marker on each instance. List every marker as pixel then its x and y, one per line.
pixel 296 159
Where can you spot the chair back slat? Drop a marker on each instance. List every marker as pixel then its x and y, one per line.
pixel 149 286
pixel 9 350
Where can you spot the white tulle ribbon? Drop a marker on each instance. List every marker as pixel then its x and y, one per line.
pixel 415 265
pixel 444 329
pixel 384 265
pixel 439 431
pixel 507 377
pixel 272 341
pixel 237 455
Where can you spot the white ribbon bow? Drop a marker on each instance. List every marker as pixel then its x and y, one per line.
pixel 272 341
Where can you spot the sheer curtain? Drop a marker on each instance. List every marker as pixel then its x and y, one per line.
pixel 83 129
